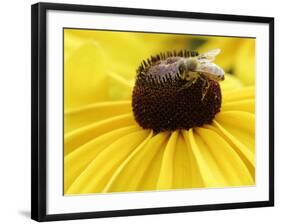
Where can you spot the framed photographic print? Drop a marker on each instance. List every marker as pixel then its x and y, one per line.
pixel 139 111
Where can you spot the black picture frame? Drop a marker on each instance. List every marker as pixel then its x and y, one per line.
pixel 38 108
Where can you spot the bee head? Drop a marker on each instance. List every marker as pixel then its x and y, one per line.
pixel 189 64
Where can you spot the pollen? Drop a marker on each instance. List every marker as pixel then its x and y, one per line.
pixel 161 103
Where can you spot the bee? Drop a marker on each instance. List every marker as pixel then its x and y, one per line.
pixel 200 67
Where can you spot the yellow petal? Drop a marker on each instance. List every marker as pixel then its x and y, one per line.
pixel 244 130
pixel 82 135
pixel 150 178
pixel 183 166
pixel 95 177
pixel 166 174
pixel 136 167
pixel 229 162
pixel 209 170
pixel 243 105
pixel 241 135
pixel 245 93
pixel 194 176
pixel 85 115
pixel 76 161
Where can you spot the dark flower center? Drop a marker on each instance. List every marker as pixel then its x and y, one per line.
pixel 162 102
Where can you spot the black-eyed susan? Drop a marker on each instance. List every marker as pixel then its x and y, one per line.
pixel 108 149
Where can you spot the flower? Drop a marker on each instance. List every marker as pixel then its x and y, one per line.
pixel 106 150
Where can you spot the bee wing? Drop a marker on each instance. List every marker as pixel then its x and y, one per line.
pixel 209 56
pixel 210 69
pixel 203 67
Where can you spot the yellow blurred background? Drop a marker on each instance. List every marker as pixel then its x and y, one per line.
pixel 101 65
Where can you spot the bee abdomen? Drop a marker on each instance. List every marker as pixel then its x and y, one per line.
pixel 212 71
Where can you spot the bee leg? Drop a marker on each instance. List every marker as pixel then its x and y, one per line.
pixel 205 87
pixel 189 83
